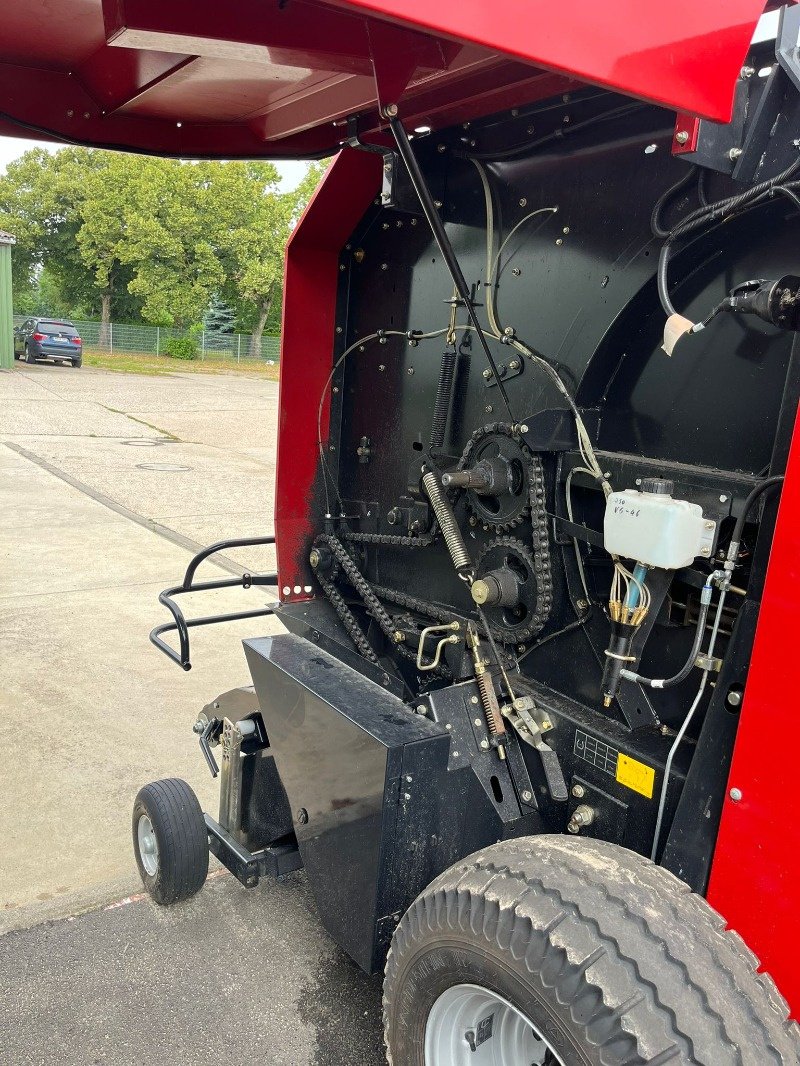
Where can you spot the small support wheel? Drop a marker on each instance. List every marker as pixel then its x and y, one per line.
pixel 170 840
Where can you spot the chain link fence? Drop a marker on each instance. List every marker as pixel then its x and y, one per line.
pixel 151 340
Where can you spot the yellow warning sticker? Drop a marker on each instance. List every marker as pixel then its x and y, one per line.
pixel 636 775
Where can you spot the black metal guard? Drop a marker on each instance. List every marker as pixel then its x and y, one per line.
pixel 181 624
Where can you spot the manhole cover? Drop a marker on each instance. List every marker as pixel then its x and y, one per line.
pixel 147 442
pixel 168 468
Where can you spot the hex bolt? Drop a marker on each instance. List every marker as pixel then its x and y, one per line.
pixel 488 409
pixel 474 699
pixel 735 794
pixel 682 136
pixel 709 525
pixel 409 778
pixel 487 373
pixel 199 727
pixel 478 722
pixel 527 796
pixel 422 709
pixel 302 816
pixel 448 726
pixel 455 754
pixel 559 241
pixel 516 272
pixel 410 371
pixel 582 605
pixel 723 499
pixel 485 745
pixel 734 153
pixel 523 202
pixel 513 365
pixel 578 791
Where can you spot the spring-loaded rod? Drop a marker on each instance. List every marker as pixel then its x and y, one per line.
pixel 447 522
pixel 491 708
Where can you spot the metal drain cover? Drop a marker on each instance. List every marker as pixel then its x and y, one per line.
pixel 167 468
pixel 147 442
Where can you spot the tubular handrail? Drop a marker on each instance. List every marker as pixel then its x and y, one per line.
pixel 181 624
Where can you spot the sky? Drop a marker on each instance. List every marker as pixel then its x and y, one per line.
pixel 13 147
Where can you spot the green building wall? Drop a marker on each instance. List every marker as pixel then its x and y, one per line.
pixel 6 309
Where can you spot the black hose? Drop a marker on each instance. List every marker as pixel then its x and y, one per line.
pixel 444 393
pixel 718 211
pixel 763 486
pixel 668 194
pixel 688 666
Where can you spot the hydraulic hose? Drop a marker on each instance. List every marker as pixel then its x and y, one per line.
pixel 686 669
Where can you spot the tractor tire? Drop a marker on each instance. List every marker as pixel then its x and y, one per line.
pixel 550 951
pixel 170 840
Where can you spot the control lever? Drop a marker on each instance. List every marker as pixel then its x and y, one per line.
pixel 530 730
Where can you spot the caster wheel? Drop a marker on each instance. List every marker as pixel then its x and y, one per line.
pixel 170 840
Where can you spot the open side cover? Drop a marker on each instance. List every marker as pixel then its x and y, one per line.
pixel 289 78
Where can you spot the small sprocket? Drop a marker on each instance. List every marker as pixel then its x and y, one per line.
pixel 518 589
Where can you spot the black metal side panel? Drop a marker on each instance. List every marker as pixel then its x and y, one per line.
pixel 341 744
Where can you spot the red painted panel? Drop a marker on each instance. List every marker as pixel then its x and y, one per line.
pixel 312 63
pixel 309 309
pixel 684 54
pixel 756 871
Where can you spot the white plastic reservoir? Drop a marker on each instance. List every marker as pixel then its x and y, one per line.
pixel 652 528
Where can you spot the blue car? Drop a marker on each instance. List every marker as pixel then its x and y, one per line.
pixel 48 338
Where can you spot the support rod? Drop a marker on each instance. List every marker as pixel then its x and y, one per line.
pixel 443 241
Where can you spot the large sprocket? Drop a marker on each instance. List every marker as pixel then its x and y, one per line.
pixel 528 572
pixel 507 503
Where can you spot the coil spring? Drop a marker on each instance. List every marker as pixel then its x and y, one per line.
pixel 441 407
pixel 447 522
pixel 491 710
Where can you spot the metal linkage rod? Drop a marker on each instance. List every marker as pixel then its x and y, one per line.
pixel 440 234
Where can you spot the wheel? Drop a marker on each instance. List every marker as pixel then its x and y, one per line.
pixel 29 356
pixel 549 951
pixel 170 840
pixel 78 361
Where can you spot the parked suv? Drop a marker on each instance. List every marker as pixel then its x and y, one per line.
pixel 48 338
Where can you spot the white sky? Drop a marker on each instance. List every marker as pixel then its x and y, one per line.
pixel 13 147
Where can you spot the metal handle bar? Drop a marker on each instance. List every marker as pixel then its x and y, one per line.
pixel 181 624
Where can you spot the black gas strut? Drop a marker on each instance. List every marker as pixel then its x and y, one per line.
pixel 440 234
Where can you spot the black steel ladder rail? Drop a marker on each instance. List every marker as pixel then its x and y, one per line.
pixel 181 624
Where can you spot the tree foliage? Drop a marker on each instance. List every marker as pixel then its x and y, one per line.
pixel 130 237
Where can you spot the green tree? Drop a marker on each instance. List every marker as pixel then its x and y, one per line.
pixel 219 317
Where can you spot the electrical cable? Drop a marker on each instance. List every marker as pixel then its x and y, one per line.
pixel 720 211
pixel 691 662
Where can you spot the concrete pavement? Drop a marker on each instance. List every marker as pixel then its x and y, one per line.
pixel 108 483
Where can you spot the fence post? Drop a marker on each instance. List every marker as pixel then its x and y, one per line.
pixel 111 336
pixel 203 346
pixel 238 347
pixel 158 340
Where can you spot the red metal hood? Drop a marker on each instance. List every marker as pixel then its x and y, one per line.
pixel 280 78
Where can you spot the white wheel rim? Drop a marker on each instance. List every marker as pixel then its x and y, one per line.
pixel 473 1026
pixel 148 845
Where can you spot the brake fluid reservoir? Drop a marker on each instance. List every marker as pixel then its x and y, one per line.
pixel 653 528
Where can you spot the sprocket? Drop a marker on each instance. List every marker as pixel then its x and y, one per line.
pixel 506 459
pixel 525 580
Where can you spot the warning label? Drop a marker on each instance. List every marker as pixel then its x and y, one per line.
pixel 623 768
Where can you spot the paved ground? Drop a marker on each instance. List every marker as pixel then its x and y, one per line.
pixel 108 482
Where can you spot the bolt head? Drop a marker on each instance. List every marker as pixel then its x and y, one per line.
pixel 527 796
pixel 484 744
pixel 198 727
pixel 513 364
pixel 682 136
pixel 523 201
pixel 302 816
pixel 735 794
pixel 578 791
pixel 734 698
pixel 487 373
pixel 422 709
pixel 573 827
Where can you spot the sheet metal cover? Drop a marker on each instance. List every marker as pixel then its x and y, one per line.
pixel 281 77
